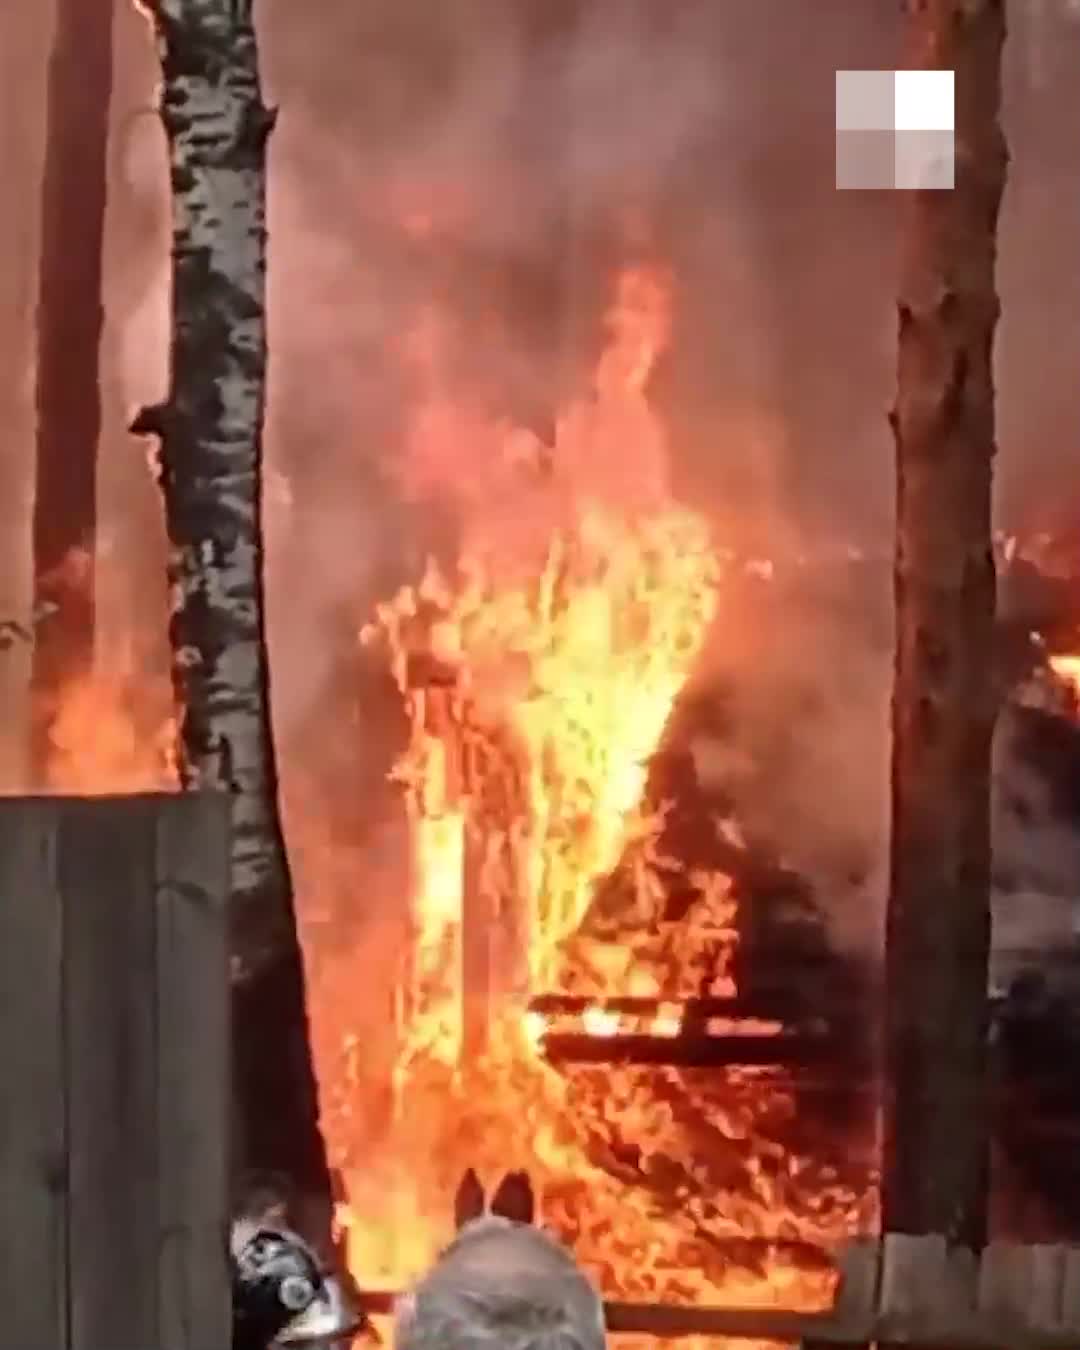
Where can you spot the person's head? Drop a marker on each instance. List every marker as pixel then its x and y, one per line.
pixel 501 1285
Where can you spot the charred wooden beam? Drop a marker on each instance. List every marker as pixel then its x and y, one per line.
pixel 691 1051
pixel 425 671
pixel 477 926
pixel 777 1006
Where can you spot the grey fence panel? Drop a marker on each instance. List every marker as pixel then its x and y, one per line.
pixel 33 1144
pixel 114 1050
pixel 193 1075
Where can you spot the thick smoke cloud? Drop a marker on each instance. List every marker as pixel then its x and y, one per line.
pixel 490 159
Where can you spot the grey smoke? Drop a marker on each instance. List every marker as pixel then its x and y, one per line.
pixel 715 120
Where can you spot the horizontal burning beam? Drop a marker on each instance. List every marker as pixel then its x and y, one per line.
pixel 765 1029
pixel 690 1049
pixel 777 1006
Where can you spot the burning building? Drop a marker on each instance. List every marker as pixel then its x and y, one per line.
pixel 581 635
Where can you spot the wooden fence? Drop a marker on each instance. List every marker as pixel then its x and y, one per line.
pixel 114 1074
pixel 907 1291
pixel 899 1291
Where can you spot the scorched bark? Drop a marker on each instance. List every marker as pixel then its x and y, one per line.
pixel 210 431
pixel 938 928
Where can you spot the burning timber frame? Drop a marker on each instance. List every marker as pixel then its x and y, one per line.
pixel 493 959
pixel 924 1287
pixel 114 1053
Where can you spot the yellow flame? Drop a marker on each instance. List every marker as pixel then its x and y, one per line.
pixel 539 675
pixel 1066 666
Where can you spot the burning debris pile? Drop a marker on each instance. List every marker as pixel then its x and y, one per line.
pixel 550 934
pixel 604 976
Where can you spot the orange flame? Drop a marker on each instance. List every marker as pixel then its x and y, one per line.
pixel 1066 666
pixel 539 676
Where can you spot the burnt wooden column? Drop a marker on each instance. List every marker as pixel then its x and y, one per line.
pixel 938 925
pixel 495 910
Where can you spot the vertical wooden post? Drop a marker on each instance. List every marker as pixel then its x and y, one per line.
pixel 477 931
pixel 107 877
pixel 495 920
pixel 938 926
pixel 193 1056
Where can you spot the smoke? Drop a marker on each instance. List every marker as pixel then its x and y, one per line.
pixel 24 38
pixel 494 163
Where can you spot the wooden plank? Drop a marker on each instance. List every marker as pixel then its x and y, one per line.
pixel 107 881
pixel 477 925
pixel 193 1071
pixel 1022 1285
pixel 510 940
pixel 1046 1279
pixel 1003 1283
pixel 782 1006
pixel 1070 1291
pixel 859 1265
pixel 855 1309
pixel 928 1288
pixel 691 1050
pixel 33 1184
pixel 911 1268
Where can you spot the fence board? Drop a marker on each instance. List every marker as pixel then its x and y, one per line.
pixel 860 1272
pixel 193 1073
pixel 114 1052
pixel 1070 1290
pixel 1046 1280
pixel 33 1199
pixel 107 877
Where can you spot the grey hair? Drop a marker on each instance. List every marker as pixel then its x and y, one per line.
pixel 501 1285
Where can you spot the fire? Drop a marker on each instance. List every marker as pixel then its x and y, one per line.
pixel 539 673
pixel 1066 666
pixel 111 734
pixel 599 1022
pixel 539 670
pixel 558 684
